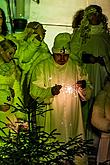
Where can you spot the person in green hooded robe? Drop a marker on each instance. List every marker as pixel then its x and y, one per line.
pixel 54 81
pixel 31 50
pixel 95 43
pixel 9 86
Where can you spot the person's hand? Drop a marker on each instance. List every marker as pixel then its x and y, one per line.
pixel 81 83
pixel 4 108
pixel 56 89
pixel 82 93
pixel 81 89
pixel 28 32
pixel 24 126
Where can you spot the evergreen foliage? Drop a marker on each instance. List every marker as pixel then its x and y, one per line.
pixel 34 146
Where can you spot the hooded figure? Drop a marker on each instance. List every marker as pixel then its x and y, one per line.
pixel 31 49
pixel 9 84
pixel 93 39
pixel 54 81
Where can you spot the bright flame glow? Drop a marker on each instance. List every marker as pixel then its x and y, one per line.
pixel 68 89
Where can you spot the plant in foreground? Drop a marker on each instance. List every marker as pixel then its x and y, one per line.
pixel 34 146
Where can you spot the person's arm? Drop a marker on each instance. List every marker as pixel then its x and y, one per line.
pixel 26 50
pixel 38 86
pixel 98 118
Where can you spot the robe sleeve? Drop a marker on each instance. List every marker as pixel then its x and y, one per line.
pixel 37 86
pixel 26 52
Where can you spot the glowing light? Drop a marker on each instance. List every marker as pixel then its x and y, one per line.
pixel 50 78
pixel 68 89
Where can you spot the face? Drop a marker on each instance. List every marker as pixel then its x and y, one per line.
pixel 4 108
pixel 8 53
pixel 95 19
pixel 60 58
